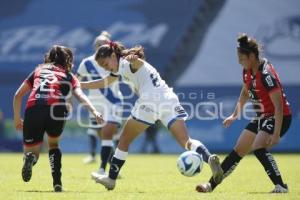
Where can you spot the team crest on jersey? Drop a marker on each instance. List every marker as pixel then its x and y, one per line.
pixel 269 81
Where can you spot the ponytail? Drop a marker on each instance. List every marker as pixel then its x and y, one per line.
pixel 247 45
pixel 60 55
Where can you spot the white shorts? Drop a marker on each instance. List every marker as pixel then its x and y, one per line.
pixel 164 107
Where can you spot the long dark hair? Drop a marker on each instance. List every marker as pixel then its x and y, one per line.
pixel 120 51
pixel 60 55
pixel 247 45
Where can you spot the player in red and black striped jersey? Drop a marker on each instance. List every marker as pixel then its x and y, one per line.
pixel 262 86
pixel 51 84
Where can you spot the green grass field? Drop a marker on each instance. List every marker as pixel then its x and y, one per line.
pixel 144 177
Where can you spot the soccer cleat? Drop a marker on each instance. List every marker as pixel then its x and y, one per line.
pixel 280 189
pixel 107 182
pixel 29 158
pixel 57 188
pixel 98 173
pixel 89 159
pixel 204 188
pixel 216 168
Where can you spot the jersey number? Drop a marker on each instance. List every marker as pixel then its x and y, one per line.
pixel 155 80
pixel 47 78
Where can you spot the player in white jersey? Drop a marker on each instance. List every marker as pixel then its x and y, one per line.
pixel 156 102
pixel 108 101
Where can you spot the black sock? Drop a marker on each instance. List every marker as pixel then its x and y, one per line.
pixel 55 164
pixel 93 145
pixel 228 165
pixel 269 164
pixel 202 150
pixel 115 167
pixel 111 155
pixel 106 154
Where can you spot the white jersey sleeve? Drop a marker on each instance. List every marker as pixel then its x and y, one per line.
pixel 81 72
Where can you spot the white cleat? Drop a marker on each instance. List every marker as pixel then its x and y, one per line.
pixel 204 188
pixel 280 189
pixel 89 159
pixel 107 182
pixel 98 173
pixel 215 166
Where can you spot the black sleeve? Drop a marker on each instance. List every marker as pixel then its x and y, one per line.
pixel 269 81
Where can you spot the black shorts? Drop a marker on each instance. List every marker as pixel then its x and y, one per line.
pixel 40 119
pixel 266 124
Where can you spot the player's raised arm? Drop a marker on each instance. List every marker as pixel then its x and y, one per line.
pixel 101 83
pixel 135 61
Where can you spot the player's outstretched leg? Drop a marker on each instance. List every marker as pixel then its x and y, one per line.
pixel 179 130
pixel 228 165
pixel 55 164
pixel 212 160
pixel 29 160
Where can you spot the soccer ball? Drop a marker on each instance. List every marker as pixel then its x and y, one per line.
pixel 190 163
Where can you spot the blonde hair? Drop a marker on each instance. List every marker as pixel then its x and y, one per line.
pixel 102 39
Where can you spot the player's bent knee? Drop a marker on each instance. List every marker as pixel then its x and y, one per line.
pixel 260 143
pixel 107 135
pixel 258 146
pixel 240 150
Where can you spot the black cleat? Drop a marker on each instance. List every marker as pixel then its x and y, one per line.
pixel 57 188
pixel 27 166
